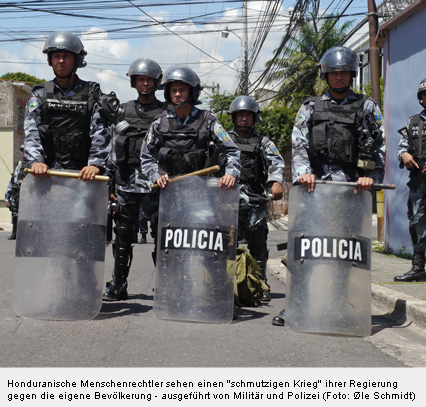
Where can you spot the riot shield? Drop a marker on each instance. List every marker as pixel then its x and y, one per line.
pixel 60 248
pixel 329 261
pixel 196 251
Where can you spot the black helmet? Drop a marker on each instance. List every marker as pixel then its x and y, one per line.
pixel 241 103
pixel 66 42
pixel 148 67
pixel 339 59
pixel 182 73
pixel 421 88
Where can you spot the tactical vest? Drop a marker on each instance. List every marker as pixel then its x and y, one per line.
pixel 415 126
pixel 184 147
pixel 128 145
pixel 334 132
pixel 252 161
pixel 65 124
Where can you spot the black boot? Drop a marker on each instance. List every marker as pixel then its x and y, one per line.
pixel 123 255
pixel 266 297
pixel 279 319
pixel 14 226
pixel 116 292
pixel 417 272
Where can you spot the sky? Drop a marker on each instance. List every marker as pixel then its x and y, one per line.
pixel 115 33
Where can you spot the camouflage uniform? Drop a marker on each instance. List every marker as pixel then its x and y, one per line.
pixel 253 197
pixel 416 206
pixel 300 146
pixel 35 151
pixel 218 135
pixel 131 196
pixel 12 194
pixel 152 145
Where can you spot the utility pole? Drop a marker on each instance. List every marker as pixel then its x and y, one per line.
pixel 375 93
pixel 244 42
pixel 374 52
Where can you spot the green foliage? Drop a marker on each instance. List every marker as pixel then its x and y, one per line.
pixel 296 67
pixel 219 105
pixel 366 89
pixel 277 124
pixel 22 77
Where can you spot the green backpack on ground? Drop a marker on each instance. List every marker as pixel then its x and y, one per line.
pixel 249 283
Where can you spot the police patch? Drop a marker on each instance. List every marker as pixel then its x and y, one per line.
pixel 221 133
pixel 274 149
pixel 378 117
pixel 32 104
pixel 300 118
pixel 148 138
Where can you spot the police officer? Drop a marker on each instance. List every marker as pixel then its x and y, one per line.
pixel 411 154
pixel 338 136
pixel 262 169
pixel 145 76
pixel 11 198
pixel 183 138
pixel 63 128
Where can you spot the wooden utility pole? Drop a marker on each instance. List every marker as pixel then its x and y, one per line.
pixel 374 52
pixel 375 94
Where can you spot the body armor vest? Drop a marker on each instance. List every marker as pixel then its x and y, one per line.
pixel 416 126
pixel 252 161
pixel 334 132
pixel 65 124
pixel 184 147
pixel 128 145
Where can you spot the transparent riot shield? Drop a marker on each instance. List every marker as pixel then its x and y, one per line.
pixel 60 248
pixel 329 261
pixel 196 251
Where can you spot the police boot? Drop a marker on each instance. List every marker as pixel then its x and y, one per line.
pixel 279 319
pixel 14 226
pixel 122 250
pixel 417 272
pixel 266 297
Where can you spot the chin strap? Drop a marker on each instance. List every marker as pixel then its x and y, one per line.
pixel 182 103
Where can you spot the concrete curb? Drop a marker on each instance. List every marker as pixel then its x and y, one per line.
pixel 400 308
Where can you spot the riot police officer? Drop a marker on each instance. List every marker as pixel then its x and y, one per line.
pixel 262 170
pixel 11 198
pixel 63 128
pixel 183 138
pixel 411 154
pixel 338 136
pixel 145 76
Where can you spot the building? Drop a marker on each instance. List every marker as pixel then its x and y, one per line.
pixel 13 98
pixel 404 54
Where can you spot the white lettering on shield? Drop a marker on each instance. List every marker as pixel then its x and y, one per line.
pixel 193 239
pixel 331 248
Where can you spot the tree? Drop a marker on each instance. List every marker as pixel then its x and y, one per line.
pixel 219 105
pixel 22 77
pixel 297 67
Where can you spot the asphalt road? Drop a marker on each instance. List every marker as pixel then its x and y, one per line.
pixel 125 334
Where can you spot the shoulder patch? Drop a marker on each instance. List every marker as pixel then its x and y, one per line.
pixel 33 103
pixel 300 118
pixel 222 134
pixel 274 149
pixel 378 117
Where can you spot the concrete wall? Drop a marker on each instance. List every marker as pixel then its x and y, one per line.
pixel 405 55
